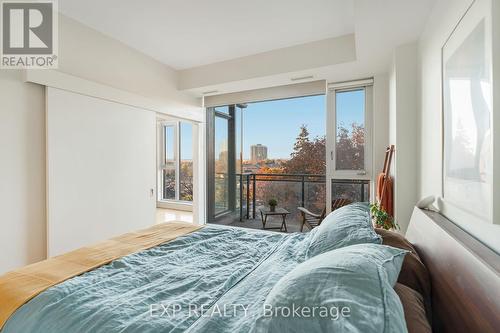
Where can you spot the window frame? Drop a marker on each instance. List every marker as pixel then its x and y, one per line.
pixel 332 171
pixel 162 163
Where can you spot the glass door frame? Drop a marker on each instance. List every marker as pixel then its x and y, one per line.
pixel 212 113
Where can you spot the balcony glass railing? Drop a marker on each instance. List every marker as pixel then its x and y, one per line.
pixel 290 190
pixel 293 191
pixel 253 190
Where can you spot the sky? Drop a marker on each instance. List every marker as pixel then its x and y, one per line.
pixel 186 144
pixel 350 107
pixel 276 124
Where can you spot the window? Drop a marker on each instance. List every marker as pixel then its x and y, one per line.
pixel 170 168
pixel 176 161
pixel 186 162
pixel 349 166
pixel 351 132
pixel 222 109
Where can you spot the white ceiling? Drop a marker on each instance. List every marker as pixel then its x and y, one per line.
pixel 189 33
pixel 379 27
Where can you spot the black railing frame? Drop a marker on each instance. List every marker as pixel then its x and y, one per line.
pixel 253 178
pixel 362 182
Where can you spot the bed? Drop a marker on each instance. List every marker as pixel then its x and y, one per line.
pixel 215 264
pixel 219 279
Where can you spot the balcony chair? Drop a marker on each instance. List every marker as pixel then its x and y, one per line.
pixel 313 220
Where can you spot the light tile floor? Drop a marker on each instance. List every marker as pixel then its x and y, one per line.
pixel 168 215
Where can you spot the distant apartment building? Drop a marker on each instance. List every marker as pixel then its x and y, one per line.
pixel 258 153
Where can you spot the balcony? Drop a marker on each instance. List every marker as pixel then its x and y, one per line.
pixel 253 190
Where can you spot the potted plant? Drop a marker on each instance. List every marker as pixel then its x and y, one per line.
pixel 272 204
pixel 381 218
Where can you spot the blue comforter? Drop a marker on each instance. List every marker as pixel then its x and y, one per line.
pixel 213 280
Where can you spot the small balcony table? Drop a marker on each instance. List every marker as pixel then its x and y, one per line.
pixel 265 212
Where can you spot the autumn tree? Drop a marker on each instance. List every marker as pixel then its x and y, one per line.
pixel 308 156
pixel 268 170
pixel 186 181
pixel 350 147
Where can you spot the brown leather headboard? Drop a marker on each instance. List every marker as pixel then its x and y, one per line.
pixel 465 274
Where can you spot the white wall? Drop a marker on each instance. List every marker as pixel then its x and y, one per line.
pixel 403 131
pixel 86 53
pixel 445 15
pixel 22 171
pixel 441 22
pixel 392 105
pixel 380 120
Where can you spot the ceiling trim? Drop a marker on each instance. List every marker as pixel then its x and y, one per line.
pixel 56 79
pixel 267 94
pixel 321 53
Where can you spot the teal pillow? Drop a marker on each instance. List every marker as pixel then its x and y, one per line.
pixel 351 289
pixel 345 226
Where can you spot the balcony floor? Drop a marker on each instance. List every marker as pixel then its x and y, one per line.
pixel 168 215
pixel 293 225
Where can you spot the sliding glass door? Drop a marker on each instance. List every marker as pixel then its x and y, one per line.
pixel 221 161
pixel 263 150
